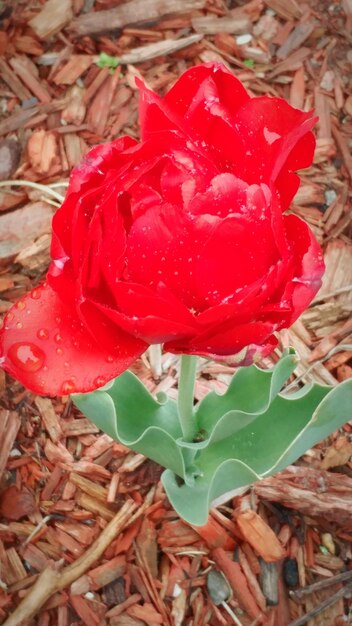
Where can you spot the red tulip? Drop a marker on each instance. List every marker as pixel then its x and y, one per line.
pixel 179 239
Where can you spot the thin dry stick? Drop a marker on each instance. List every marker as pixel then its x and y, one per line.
pixel 322 606
pixel 299 594
pixel 55 578
pixel 47 189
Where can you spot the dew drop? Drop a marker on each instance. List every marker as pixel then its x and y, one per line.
pixel 66 364
pixel 9 317
pixel 27 356
pixel 20 305
pixel 68 386
pixel 99 381
pixel 58 320
pixel 58 338
pixel 43 333
pixel 109 358
pixel 35 294
pixel 19 325
pixel 59 351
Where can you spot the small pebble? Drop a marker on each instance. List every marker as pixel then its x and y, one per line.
pixel 330 196
pixel 241 40
pixel 290 573
pixel 218 587
pixel 328 542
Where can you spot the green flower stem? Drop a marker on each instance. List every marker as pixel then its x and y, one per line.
pixel 186 396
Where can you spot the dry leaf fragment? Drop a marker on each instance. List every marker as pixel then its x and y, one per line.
pixel 338 454
pixel 42 150
pixel 20 228
pixel 10 152
pixel 15 504
pixel 52 18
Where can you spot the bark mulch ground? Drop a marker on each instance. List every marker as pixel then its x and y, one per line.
pixel 87 535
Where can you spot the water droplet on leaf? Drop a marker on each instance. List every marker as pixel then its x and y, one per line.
pixel 27 356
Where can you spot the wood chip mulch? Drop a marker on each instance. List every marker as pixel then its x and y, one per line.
pixel 87 535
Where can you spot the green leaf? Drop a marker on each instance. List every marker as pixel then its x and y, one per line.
pixel 193 502
pixel 276 438
pixel 126 411
pixel 250 393
pixel 249 432
pixel 105 60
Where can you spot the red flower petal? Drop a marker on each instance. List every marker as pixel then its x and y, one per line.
pixel 164 245
pixel 45 346
pixel 200 94
pixel 239 251
pixel 276 140
pixel 226 342
pixel 154 315
pixel 226 194
pixel 86 183
pixel 308 264
pixel 202 106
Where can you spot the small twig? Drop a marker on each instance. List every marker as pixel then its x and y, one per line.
pixel 55 578
pixel 154 355
pixel 322 606
pixel 36 530
pixel 28 183
pixel 63 183
pixel 299 594
pixel 335 350
pixel 331 294
pixel 231 613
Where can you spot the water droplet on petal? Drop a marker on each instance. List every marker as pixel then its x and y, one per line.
pixel 58 338
pixel 35 294
pixel 99 381
pixel 43 333
pixel 66 364
pixel 68 386
pixel 9 317
pixel 59 351
pixel 58 320
pixel 109 358
pixel 19 325
pixel 20 305
pixel 27 356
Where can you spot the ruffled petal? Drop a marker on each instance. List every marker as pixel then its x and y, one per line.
pixel 239 251
pixel 276 139
pixel 201 94
pixel 226 195
pixel 230 342
pixel 164 245
pixel 152 314
pixel 86 183
pixel 44 344
pixel 308 266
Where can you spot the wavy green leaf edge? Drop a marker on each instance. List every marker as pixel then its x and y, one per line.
pixel 245 434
